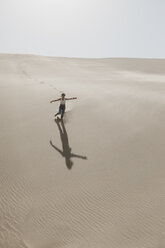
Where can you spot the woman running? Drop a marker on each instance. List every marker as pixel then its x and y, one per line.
pixel 62 104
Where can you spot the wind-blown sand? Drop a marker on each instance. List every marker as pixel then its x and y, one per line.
pixel 111 192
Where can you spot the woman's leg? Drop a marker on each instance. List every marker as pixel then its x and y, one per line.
pixel 62 112
pixel 59 111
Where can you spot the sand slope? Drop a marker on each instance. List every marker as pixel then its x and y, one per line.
pixel 108 191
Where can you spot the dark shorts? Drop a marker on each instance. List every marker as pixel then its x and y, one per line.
pixel 61 110
pixel 62 106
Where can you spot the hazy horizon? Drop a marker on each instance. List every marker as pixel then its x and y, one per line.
pixel 83 29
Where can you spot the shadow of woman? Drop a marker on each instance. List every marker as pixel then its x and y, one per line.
pixel 66 152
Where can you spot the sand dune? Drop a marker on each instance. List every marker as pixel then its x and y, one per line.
pixel 95 180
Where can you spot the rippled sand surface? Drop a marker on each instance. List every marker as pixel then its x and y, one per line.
pixel 96 179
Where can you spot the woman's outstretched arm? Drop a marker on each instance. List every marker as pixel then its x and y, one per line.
pixel 55 100
pixel 72 98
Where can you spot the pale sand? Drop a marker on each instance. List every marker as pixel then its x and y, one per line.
pixel 113 199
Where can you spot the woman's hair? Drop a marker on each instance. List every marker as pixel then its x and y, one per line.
pixel 63 94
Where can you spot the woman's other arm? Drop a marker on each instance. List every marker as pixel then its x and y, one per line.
pixel 72 98
pixel 55 100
